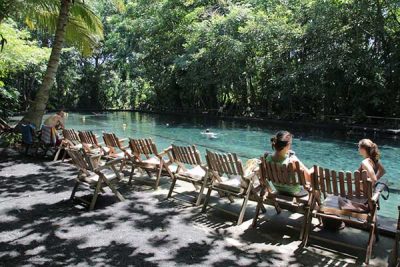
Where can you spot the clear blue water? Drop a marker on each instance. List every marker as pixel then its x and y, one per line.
pixel 330 150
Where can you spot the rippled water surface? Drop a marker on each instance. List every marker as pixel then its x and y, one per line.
pixel 329 150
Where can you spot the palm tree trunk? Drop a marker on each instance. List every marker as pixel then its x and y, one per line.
pixel 37 108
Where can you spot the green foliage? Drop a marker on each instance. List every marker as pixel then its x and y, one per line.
pixel 21 65
pixel 19 52
pixel 84 29
pixel 277 57
pixel 10 139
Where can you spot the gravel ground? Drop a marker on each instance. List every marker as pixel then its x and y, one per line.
pixel 40 226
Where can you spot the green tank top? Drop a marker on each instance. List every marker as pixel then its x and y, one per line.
pixel 284 188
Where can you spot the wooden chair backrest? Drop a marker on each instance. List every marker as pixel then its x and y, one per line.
pixel 88 137
pixel 144 147
pixel 344 184
pixel 111 140
pixel 78 159
pixel 224 163
pixel 85 162
pixel 290 174
pixel 186 154
pixel 71 135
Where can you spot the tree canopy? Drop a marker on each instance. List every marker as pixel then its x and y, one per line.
pixel 338 57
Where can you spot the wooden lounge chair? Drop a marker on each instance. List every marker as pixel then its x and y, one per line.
pixel 146 157
pixel 395 261
pixel 70 139
pixel 284 176
pixel 89 140
pixel 116 148
pixel 116 145
pixel 190 169
pixel 344 197
pixel 93 175
pixel 227 176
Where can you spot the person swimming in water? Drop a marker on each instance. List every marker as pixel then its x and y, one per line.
pixel 209 134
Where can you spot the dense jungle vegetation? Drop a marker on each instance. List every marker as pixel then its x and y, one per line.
pixel 322 57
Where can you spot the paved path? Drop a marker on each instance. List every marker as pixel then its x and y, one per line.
pixel 40 226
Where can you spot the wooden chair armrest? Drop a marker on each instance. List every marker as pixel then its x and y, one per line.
pixel 375 196
pixel 166 152
pixel 109 164
pixel 204 167
pixel 93 155
pixel 123 148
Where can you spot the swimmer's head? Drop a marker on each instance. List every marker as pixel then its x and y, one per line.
pixel 207 130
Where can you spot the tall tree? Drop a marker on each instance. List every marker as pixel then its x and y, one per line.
pixel 77 24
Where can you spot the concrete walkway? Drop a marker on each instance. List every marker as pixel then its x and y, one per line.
pixel 40 226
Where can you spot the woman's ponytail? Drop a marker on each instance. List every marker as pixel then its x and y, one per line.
pixel 371 148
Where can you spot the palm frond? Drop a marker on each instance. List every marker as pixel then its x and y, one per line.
pixel 82 12
pixel 84 29
pixel 78 35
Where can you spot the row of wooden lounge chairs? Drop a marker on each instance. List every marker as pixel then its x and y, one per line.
pixel 224 173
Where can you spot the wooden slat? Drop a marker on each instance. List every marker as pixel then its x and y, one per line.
pixel 341 184
pixel 278 172
pixel 154 147
pixel 187 156
pixel 291 174
pixel 239 165
pixel 321 179
pixel 263 172
pixel 327 178
pixel 300 174
pixel 71 134
pixel 357 179
pixel 364 183
pixel 221 163
pixel 315 179
pixel 193 154
pixel 198 156
pixel 231 164
pixel 216 163
pixel 274 176
pixel 349 182
pixel 269 171
pixel 285 175
pixel 211 161
pixel 334 183
pixel 182 155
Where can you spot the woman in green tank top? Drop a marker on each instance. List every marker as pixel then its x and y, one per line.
pixel 281 144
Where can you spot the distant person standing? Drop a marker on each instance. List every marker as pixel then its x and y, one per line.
pixel 57 120
pixel 221 110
